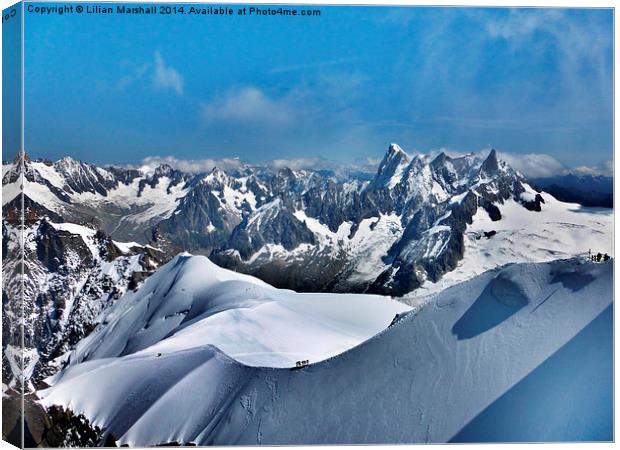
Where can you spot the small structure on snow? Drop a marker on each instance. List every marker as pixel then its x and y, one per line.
pixel 301 364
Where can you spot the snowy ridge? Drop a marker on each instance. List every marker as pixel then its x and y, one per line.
pixel 429 374
pixel 191 302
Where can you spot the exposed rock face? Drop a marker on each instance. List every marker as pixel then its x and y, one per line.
pixel 70 273
pixel 534 205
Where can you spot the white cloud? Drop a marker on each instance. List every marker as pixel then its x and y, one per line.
pixel 579 44
pixel 531 165
pixel 298 163
pixel 312 66
pixel 135 73
pixel 248 105
pixel 166 77
pixel 606 169
pixel 340 169
pixel 535 165
pixel 522 23
pixel 191 165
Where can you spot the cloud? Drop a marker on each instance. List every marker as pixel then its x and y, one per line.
pixel 136 73
pixel 166 77
pixel 298 163
pixel 522 23
pixel 581 44
pixel 606 168
pixel 534 165
pixel 540 165
pixel 340 169
pixel 531 165
pixel 248 105
pixel 191 165
pixel 312 66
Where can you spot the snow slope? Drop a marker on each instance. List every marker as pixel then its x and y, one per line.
pixel 190 302
pixel 578 378
pixel 421 380
pixel 559 230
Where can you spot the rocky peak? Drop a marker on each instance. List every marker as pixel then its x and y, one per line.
pixel 440 160
pixel 217 177
pixel 395 149
pixel 68 165
pixel 490 166
pixel 164 170
pixel 287 173
pixel 393 163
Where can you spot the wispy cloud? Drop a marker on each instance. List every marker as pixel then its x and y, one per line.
pixel 538 165
pixel 531 165
pixel 521 23
pixel 190 165
pixel 605 168
pixel 135 73
pixel 248 105
pixel 535 165
pixel 312 66
pixel 166 77
pixel 581 47
pixel 298 163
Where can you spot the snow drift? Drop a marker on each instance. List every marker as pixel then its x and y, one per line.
pixel 421 380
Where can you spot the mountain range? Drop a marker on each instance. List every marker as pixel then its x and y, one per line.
pixel 92 233
pixel 386 235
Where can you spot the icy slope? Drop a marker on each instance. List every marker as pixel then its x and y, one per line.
pixel 422 380
pixel 190 302
pixel 577 381
pixel 559 230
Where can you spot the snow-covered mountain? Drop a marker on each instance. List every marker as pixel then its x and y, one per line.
pixel 407 227
pixel 72 273
pixel 166 371
pixel 58 275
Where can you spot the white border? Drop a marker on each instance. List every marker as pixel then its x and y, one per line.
pixel 482 3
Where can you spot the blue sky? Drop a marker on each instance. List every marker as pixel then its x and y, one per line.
pixel 342 86
pixel 11 83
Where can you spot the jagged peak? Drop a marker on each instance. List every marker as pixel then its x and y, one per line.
pixel 70 165
pixel 395 150
pixel 393 156
pixel 217 175
pixel 490 166
pixel 391 167
pixel 67 161
pixel 440 159
pixel 286 172
pixel 164 170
